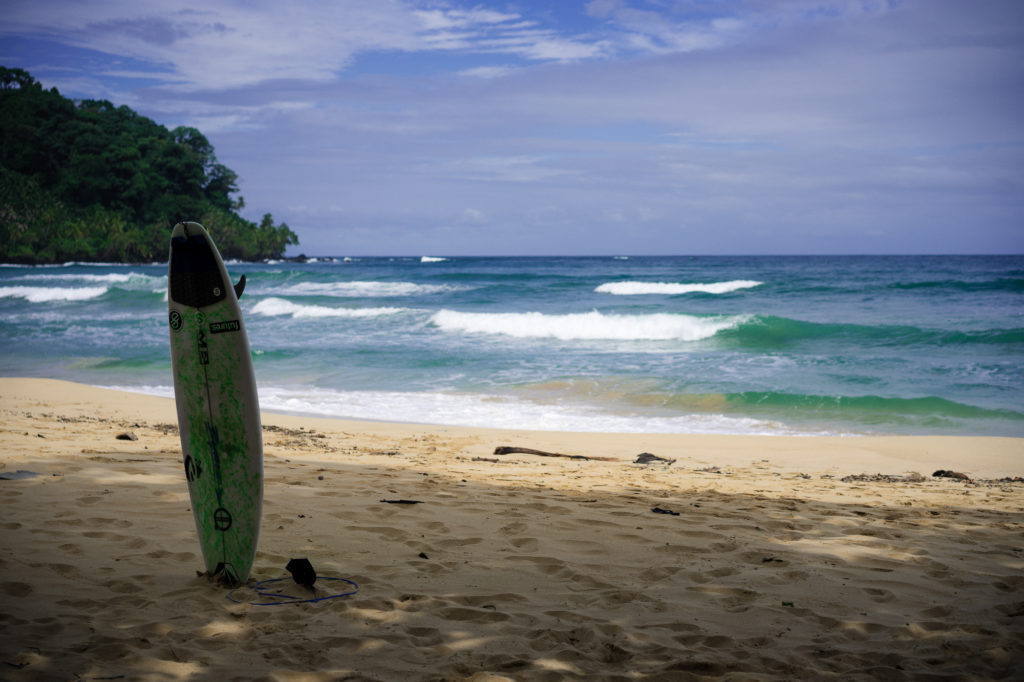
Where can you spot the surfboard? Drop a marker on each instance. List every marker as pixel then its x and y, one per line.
pixel 218 408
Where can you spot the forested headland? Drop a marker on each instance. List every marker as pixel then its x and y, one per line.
pixel 88 181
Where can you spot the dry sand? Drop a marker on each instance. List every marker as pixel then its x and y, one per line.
pixel 523 568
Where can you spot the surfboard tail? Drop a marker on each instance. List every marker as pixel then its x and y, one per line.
pixel 196 278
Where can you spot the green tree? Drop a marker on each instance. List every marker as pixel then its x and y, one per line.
pixel 94 181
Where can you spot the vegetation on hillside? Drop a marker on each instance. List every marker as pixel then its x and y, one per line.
pixel 85 180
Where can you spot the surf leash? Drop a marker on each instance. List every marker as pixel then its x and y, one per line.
pixel 302 573
pixel 281 599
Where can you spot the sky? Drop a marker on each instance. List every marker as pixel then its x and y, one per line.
pixel 556 127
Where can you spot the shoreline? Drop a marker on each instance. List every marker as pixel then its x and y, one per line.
pixel 512 567
pixel 985 457
pixel 567 418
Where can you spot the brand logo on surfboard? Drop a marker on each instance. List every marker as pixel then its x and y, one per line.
pixel 226 326
pixel 192 469
pixel 221 519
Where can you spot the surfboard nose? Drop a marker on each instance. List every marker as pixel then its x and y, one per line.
pixel 195 277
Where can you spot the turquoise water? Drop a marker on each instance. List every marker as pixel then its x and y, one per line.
pixel 841 345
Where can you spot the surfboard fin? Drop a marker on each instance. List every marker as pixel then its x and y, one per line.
pixel 225 574
pixel 240 287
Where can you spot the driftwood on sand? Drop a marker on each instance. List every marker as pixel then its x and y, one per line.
pixel 509 450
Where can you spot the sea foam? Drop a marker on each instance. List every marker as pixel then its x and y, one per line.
pixel 48 294
pixel 494 411
pixel 366 289
pixel 484 411
pixel 280 306
pixel 674 288
pixel 109 278
pixel 588 326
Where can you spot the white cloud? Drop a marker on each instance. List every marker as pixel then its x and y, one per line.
pixel 473 215
pixel 435 20
pixel 216 45
pixel 760 121
pixel 516 169
pixel 219 45
pixel 488 71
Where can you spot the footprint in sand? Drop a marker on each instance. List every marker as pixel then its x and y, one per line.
pixel 102 521
pixel 618 597
pixel 124 587
pixel 552 639
pixel 64 570
pixel 385 532
pixel 878 595
pixel 547 565
pixel 611 592
pixel 733 599
pixel 100 535
pixel 435 527
pixel 718 642
pixel 514 528
pixel 723 572
pixel 71 549
pixel 62 520
pixel 683 551
pixel 424 637
pixel 463 614
pixel 490 600
pixel 525 544
pixel 455 543
pixel 15 589
pixel 658 573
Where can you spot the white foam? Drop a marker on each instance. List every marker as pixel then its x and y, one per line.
pixel 74 263
pixel 592 325
pixel 674 288
pixel 366 289
pixel 432 259
pixel 162 391
pixel 486 411
pixel 280 306
pixel 110 278
pixel 47 294
pixel 491 411
pixel 94 264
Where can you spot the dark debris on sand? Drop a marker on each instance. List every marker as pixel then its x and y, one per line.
pixel 914 477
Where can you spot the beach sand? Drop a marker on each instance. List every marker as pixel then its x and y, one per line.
pixel 516 567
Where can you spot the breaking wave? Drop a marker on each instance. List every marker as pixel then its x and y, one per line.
pixel 279 306
pixel 367 289
pixel 674 288
pixel 49 294
pixel 588 326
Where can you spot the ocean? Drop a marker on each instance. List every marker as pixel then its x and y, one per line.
pixel 740 345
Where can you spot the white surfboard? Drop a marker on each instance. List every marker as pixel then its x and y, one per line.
pixel 218 409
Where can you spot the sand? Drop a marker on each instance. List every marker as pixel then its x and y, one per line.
pixel 512 567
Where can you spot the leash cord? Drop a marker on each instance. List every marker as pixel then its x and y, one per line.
pixel 287 598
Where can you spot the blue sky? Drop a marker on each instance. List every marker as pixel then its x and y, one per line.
pixel 556 127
